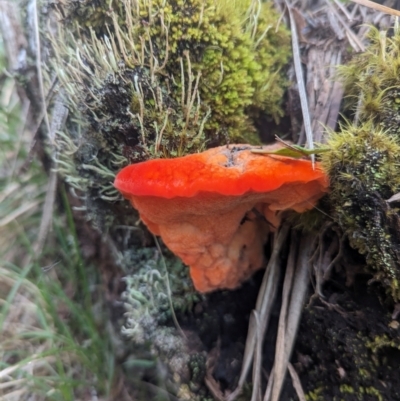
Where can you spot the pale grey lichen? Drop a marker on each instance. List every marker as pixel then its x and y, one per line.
pixel 157 288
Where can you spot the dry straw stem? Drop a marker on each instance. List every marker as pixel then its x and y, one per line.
pixel 378 7
pixel 300 81
pixel 294 292
pixel 15 35
pixel 296 383
pixel 321 54
pixel 25 329
pixel 260 317
pixel 58 118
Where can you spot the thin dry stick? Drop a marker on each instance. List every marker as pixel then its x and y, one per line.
pixel 353 38
pixel 298 293
pixel 343 9
pixel 267 294
pixel 279 369
pixel 394 198
pixel 256 396
pixel 378 7
pixel 300 82
pixel 296 383
pixel 59 116
pixel 39 67
pixel 24 208
pixel 174 318
pixel 265 300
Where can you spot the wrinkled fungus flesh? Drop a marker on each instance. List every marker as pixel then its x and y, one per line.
pixel 215 209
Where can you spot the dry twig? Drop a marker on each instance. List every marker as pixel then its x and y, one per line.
pixel 265 300
pixel 295 290
pixel 378 7
pixel 300 82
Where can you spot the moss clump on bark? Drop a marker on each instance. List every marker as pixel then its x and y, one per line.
pixel 171 78
pixel 363 170
pixel 147 79
pixel 372 80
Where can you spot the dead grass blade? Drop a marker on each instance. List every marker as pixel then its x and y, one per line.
pixel 11 31
pixel 35 24
pixel 377 7
pixel 300 82
pixel 294 292
pixel 280 360
pixel 265 301
pixel 257 365
pixel 59 116
pixel 296 383
pixel 353 39
pixel 394 198
pixel 24 208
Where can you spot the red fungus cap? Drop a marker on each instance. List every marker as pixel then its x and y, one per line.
pixel 214 209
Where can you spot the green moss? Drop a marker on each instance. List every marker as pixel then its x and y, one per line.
pixel 363 171
pixel 365 159
pixel 151 79
pixel 360 392
pixel 96 15
pixel 374 392
pixel 176 76
pixel 374 77
pixel 315 395
pixel 383 341
pixel 345 388
pixel 198 370
pixel 364 373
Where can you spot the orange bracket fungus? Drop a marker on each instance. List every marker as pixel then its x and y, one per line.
pixel 215 209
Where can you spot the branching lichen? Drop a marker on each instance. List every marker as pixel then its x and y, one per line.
pixel 152 288
pixel 156 288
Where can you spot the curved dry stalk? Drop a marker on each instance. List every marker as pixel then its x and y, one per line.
pixel 265 300
pixel 33 14
pixel 296 383
pixel 377 7
pixel 257 360
pixel 174 318
pixel 58 119
pixel 295 289
pixel 279 365
pixel 300 82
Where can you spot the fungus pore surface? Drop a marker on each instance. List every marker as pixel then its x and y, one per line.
pixel 215 209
